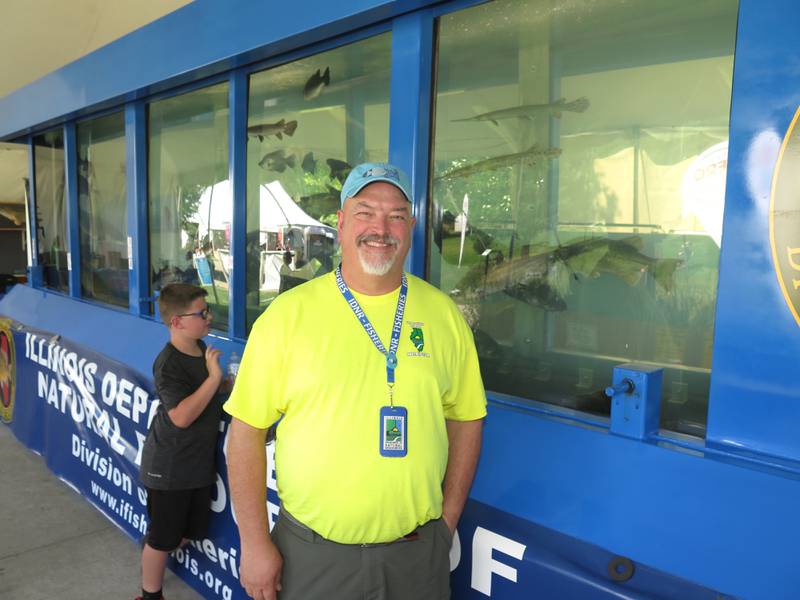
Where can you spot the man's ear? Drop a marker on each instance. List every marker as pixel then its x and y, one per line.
pixel 339 221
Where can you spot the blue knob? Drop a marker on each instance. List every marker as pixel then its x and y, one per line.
pixel 623 387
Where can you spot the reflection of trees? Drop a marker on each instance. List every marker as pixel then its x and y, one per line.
pixel 488 191
pixel 325 189
pixel 586 189
pixel 189 202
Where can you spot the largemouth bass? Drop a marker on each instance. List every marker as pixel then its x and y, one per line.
pixel 544 279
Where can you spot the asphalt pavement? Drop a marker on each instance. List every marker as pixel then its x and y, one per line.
pixel 55 545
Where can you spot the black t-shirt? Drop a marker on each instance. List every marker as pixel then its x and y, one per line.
pixel 174 458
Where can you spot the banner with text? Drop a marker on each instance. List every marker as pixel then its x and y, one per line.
pixel 88 416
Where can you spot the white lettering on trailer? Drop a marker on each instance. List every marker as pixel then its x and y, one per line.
pixel 272 513
pixel 218 504
pixel 483 565
pixel 140 439
pixel 272 482
pixel 455 552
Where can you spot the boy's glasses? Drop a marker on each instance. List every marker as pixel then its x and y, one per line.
pixel 203 314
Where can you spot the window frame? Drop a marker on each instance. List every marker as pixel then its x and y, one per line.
pixel 532 405
pixel 410 143
pixel 78 122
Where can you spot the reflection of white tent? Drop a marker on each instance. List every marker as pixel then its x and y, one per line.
pixel 277 209
pixel 278 212
pixel 215 208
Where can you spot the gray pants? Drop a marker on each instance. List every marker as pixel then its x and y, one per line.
pixel 317 569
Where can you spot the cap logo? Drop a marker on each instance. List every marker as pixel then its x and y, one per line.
pixel 381 172
pixel 366 173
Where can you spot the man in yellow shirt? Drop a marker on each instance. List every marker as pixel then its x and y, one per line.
pixel 375 374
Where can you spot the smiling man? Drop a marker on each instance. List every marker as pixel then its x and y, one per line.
pixel 375 375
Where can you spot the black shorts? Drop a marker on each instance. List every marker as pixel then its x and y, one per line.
pixel 175 515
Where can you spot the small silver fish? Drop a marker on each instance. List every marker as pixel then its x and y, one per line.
pixel 529 111
pixel 529 157
pixel 276 161
pixel 276 129
pixel 315 83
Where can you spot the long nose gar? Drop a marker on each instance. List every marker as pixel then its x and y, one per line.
pixel 530 111
pixel 529 157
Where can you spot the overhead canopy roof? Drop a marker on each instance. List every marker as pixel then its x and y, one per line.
pixel 198 40
pixel 39 37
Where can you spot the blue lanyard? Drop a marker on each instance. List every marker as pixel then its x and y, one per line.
pixel 391 355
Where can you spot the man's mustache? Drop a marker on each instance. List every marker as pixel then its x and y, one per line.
pixel 382 239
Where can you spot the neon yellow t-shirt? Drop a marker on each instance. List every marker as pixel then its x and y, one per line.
pixel 310 360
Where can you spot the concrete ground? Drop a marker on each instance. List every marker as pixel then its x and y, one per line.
pixel 55 545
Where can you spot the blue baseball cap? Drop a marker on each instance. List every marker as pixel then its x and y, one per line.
pixel 366 173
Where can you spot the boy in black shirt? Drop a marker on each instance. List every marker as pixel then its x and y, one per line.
pixel 178 467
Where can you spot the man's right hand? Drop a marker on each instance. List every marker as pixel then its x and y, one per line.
pixel 260 571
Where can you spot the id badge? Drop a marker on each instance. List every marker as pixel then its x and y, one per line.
pixel 394 431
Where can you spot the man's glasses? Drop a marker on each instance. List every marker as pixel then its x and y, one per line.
pixel 203 314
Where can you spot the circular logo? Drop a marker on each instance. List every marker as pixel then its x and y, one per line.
pixel 8 368
pixel 784 218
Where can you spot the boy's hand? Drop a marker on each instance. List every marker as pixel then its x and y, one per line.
pixel 212 363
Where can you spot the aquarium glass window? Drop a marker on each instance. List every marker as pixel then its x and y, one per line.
pixel 577 184
pixel 14 192
pixel 190 203
pixel 51 209
pixel 102 209
pixel 309 122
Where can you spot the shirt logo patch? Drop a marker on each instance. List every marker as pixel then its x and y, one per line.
pixel 417 338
